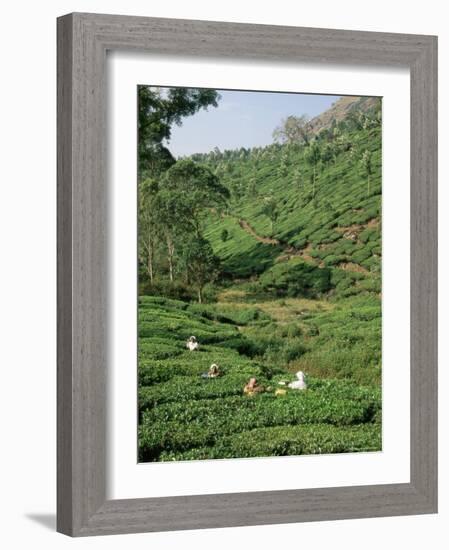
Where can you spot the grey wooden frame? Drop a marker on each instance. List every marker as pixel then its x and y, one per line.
pixel 83 40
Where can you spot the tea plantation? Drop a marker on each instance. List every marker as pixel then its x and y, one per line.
pixel 184 416
pixel 295 252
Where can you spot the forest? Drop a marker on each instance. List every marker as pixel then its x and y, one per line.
pixel 270 258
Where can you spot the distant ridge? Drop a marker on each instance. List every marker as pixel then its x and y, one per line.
pixel 340 109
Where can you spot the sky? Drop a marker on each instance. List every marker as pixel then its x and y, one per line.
pixel 242 119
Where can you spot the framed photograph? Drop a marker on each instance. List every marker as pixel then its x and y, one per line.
pixel 247 274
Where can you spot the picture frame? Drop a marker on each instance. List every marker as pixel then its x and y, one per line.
pixel 83 40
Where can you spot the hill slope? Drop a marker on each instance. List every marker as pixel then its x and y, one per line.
pixel 341 109
pixel 327 215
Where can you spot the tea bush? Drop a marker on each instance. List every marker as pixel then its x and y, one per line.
pixel 200 422
pixel 286 441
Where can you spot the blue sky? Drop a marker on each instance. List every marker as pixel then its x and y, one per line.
pixel 242 119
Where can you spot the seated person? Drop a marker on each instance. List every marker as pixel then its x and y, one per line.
pixel 192 343
pixel 300 383
pixel 213 372
pixel 253 387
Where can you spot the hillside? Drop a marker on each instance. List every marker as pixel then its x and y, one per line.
pixel 341 109
pixel 330 220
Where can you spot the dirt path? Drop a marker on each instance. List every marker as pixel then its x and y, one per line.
pixel 351 266
pixel 289 251
pixel 352 232
pixel 266 240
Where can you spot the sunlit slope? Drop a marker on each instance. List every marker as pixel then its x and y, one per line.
pixel 330 220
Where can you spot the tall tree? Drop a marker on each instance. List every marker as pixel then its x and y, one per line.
pixel 328 154
pixel 313 157
pixel 172 224
pixel 197 188
pixel 187 192
pixel 293 129
pixel 148 224
pixel 297 178
pixel 270 209
pixel 201 263
pixel 252 187
pixel 367 166
pixel 159 110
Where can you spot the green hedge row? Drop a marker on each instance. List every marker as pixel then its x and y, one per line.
pixel 185 388
pixel 189 424
pixel 287 441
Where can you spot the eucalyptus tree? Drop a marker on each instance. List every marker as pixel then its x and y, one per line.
pixel 199 190
pixel 327 154
pixel 148 224
pixel 172 223
pixel 200 263
pixel 297 178
pixel 271 209
pixel 252 186
pixel 188 192
pixel 313 157
pixel 367 166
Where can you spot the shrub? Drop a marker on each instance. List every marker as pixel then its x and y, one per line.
pixel 245 346
pixel 296 278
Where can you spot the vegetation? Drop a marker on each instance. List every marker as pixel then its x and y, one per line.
pixel 271 257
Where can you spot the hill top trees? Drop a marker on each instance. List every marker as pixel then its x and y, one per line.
pixel 293 129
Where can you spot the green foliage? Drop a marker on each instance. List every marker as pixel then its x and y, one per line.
pixel 201 264
pixel 295 278
pixel 158 112
pixel 196 187
pixel 271 210
pixel 293 129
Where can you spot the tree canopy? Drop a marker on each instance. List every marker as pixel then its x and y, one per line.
pixel 159 110
pixel 293 129
pixel 196 188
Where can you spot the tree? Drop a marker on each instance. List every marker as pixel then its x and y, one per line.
pixel 367 166
pixel 198 190
pixel 328 154
pixel 252 186
pixel 283 168
pixel 172 223
pixel 293 129
pixel 187 191
pixel 147 224
pixel 270 209
pixel 343 143
pixel 355 119
pixel 201 263
pixel 224 235
pixel 297 178
pixel 313 157
pixel 159 110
